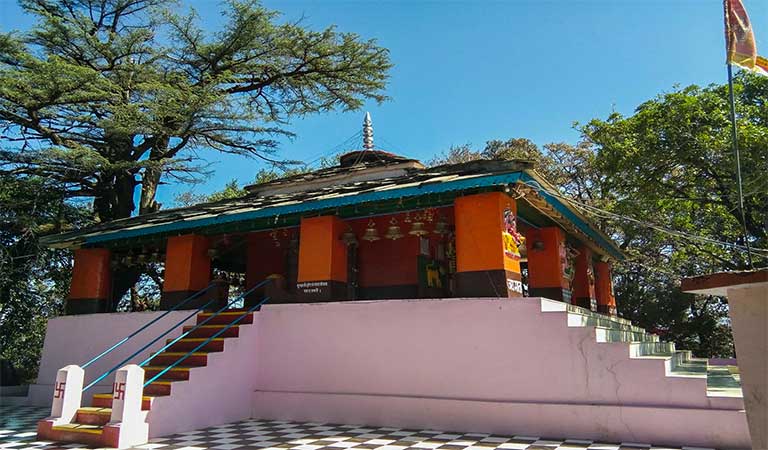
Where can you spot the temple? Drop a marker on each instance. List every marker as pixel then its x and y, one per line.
pixel 468 297
pixel 376 226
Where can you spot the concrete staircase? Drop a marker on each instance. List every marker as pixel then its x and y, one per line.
pixel 722 380
pixel 89 422
pixel 526 365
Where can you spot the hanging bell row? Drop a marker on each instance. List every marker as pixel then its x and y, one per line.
pixel 393 231
pixel 371 233
pixel 349 238
pixel 417 229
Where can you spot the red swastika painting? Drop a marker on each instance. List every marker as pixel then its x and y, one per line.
pixel 58 390
pixel 119 390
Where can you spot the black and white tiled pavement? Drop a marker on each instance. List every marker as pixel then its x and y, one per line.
pixel 18 424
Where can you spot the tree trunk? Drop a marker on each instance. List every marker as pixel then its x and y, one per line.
pixel 151 178
pixel 114 196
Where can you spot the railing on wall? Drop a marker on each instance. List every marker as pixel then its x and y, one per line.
pixel 173 327
pixel 204 343
pixel 147 325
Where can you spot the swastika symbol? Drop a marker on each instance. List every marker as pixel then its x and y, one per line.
pixel 119 388
pixel 58 390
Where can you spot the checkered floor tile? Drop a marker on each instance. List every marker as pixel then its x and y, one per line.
pixel 18 423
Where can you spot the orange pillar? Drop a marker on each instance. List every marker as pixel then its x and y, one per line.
pixel 91 287
pixel 187 270
pixel 322 260
pixel 487 255
pixel 548 264
pixel 584 280
pixel 606 302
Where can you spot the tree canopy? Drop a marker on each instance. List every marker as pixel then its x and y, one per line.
pixel 662 183
pixel 108 97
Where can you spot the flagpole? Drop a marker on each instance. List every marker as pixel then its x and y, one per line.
pixel 735 141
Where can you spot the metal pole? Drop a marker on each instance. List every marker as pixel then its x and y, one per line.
pixel 735 140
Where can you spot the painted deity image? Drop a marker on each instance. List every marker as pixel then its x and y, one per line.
pixel 513 240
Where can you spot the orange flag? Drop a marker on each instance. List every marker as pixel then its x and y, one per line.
pixel 739 38
pixel 761 65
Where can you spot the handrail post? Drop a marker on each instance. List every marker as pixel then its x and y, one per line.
pixel 126 426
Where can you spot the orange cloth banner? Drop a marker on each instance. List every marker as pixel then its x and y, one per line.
pixel 739 38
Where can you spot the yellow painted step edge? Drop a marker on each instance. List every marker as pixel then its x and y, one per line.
pixel 226 313
pixel 146 397
pixel 195 340
pixel 182 354
pixel 95 410
pixel 77 428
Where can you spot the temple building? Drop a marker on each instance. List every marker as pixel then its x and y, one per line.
pixel 468 297
pixel 375 226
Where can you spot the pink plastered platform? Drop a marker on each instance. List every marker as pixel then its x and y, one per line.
pixel 508 366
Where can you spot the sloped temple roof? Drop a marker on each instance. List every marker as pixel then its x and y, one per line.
pixel 283 202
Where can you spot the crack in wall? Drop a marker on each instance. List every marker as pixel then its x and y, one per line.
pixel 586 361
pixel 617 383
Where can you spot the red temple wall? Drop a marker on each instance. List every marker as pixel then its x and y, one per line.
pixel 266 254
pixel 389 262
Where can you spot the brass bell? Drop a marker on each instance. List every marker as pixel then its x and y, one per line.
pixel 417 229
pixel 441 227
pixel 348 237
pixel 371 234
pixel 393 231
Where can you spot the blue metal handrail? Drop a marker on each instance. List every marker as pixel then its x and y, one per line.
pixel 120 364
pixel 216 314
pixel 147 325
pixel 203 344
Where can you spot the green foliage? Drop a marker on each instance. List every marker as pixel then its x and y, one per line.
pixel 106 97
pixel 33 280
pixel 671 164
pixel 674 157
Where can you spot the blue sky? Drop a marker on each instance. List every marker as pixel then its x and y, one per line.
pixel 470 71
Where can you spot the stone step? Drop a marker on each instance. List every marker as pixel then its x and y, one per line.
pixel 189 344
pixel 158 388
pixel 105 401
pixel 78 433
pixel 581 320
pixel 585 311
pixel 206 331
pixel 176 373
pixel 641 349
pixel 610 335
pixel 91 415
pixel 225 318
pixel 197 359
pixel 723 381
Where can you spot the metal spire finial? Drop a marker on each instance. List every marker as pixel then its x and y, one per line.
pixel 367 132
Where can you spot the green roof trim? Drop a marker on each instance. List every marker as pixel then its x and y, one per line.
pixel 311 206
pixel 569 214
pixel 425 188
